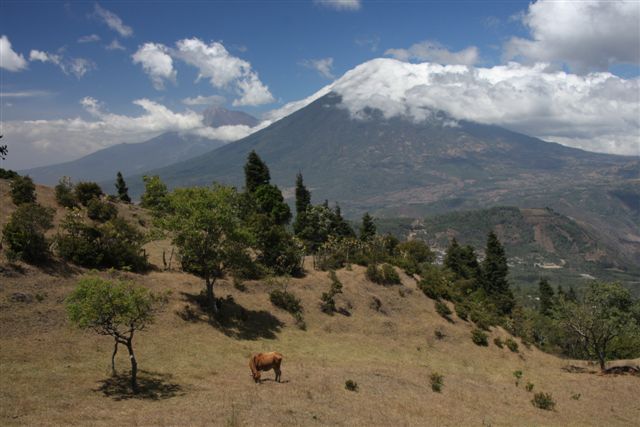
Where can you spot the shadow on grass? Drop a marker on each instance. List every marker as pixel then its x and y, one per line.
pixel 151 386
pixel 234 320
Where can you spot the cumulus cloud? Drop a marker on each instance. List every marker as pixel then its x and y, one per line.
pixel 37 142
pixel 113 21
pixel 89 38
pixel 205 100
pixel 434 52
pixel 224 70
pixel 340 4
pixel 323 66
pixel 10 60
pixel 115 45
pixel 156 62
pixel 76 66
pixel 589 35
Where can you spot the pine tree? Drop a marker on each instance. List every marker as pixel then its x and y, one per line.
pixel 368 228
pixel 546 297
pixel 256 172
pixel 494 275
pixel 571 295
pixel 303 202
pixel 123 191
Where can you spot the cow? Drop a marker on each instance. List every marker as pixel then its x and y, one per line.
pixel 265 362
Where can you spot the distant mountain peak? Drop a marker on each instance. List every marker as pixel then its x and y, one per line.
pixel 216 116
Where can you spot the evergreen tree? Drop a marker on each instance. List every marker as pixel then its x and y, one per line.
pixel 546 297
pixel 123 191
pixel 368 228
pixel 256 172
pixel 268 201
pixel 340 227
pixel 494 275
pixel 303 203
pixel 462 261
pixel 571 295
pixel 155 194
pixel 23 190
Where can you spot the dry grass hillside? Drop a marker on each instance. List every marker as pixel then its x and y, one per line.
pixel 196 372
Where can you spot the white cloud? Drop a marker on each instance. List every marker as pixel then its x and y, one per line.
pixel 113 21
pixel 76 66
pixel 89 38
pixel 323 66
pixel 38 142
pixel 371 43
pixel 205 100
pixel 223 70
pixel 156 62
pixel 434 52
pixel 115 45
pixel 585 35
pixel 10 60
pixel 340 4
pixel 25 94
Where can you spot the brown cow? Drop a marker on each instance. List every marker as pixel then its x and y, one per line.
pixel 265 362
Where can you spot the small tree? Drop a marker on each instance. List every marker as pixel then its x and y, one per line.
pixel 87 191
pixel 546 297
pixel 115 309
pixel 256 172
pixel 207 231
pixel 606 314
pixel 65 195
pixel 121 187
pixel 155 194
pixel 368 228
pixel 24 233
pixel 303 203
pixel 494 275
pixel 23 190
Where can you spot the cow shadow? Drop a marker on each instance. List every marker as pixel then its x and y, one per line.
pixel 233 319
pixel 151 386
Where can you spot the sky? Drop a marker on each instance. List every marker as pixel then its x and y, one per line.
pixel 76 77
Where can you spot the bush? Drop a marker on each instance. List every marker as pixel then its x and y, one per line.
pixel 543 401
pixel 65 195
pixel 439 334
pixel 437 381
pixel 443 310
pixel 351 385
pixel 479 338
pixel 518 375
pixel 24 233
pixel 498 342
pixel 462 311
pixel 85 191
pixel 529 386
pixel 23 190
pixel 285 300
pixel 101 211
pixel 7 174
pixel 383 275
pixel 512 345
pixel 435 283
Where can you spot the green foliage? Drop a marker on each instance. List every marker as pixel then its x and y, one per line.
pixel 24 233
pixel 351 385
pixel 384 274
pixel 546 297
pixel 8 173
pixel 86 191
pixel 328 304
pixel 494 276
pixel 23 190
pixel 121 188
pixel 443 310
pixel 511 345
pixel 277 249
pixel 155 195
pixel 529 386
pixel 100 211
pixel 113 244
pixel 303 202
pixel 269 201
pixel 368 228
pixel 256 172
pixel 412 254
pixel 518 375
pixel 498 342
pixel 437 382
pixel 479 338
pixel 65 193
pixel 462 261
pixel 288 302
pixel 543 401
pixel 462 310
pixel 435 283
pixel 319 224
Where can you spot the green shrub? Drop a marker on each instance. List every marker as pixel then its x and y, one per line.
pixel 437 381
pixel 443 310
pixel 328 304
pixel 65 195
pixel 23 190
pixel 8 173
pixel 518 374
pixel 439 334
pixel 85 191
pixel 529 386
pixel 462 311
pixel 543 401
pixel 24 233
pixel 285 300
pixel 481 318
pixel 101 211
pixel 512 345
pixel 385 274
pixel 351 385
pixel 498 342
pixel 479 337
pixel 435 283
pixel 576 396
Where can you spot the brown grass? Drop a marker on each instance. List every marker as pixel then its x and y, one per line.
pixel 196 373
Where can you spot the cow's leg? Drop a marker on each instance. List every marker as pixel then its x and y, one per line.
pixel 278 373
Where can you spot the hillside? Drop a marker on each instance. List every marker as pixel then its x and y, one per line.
pixel 539 242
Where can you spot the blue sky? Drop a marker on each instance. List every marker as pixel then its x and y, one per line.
pixel 62 63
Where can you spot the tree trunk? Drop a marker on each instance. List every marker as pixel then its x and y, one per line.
pixel 134 367
pixel 211 300
pixel 113 359
pixel 601 360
